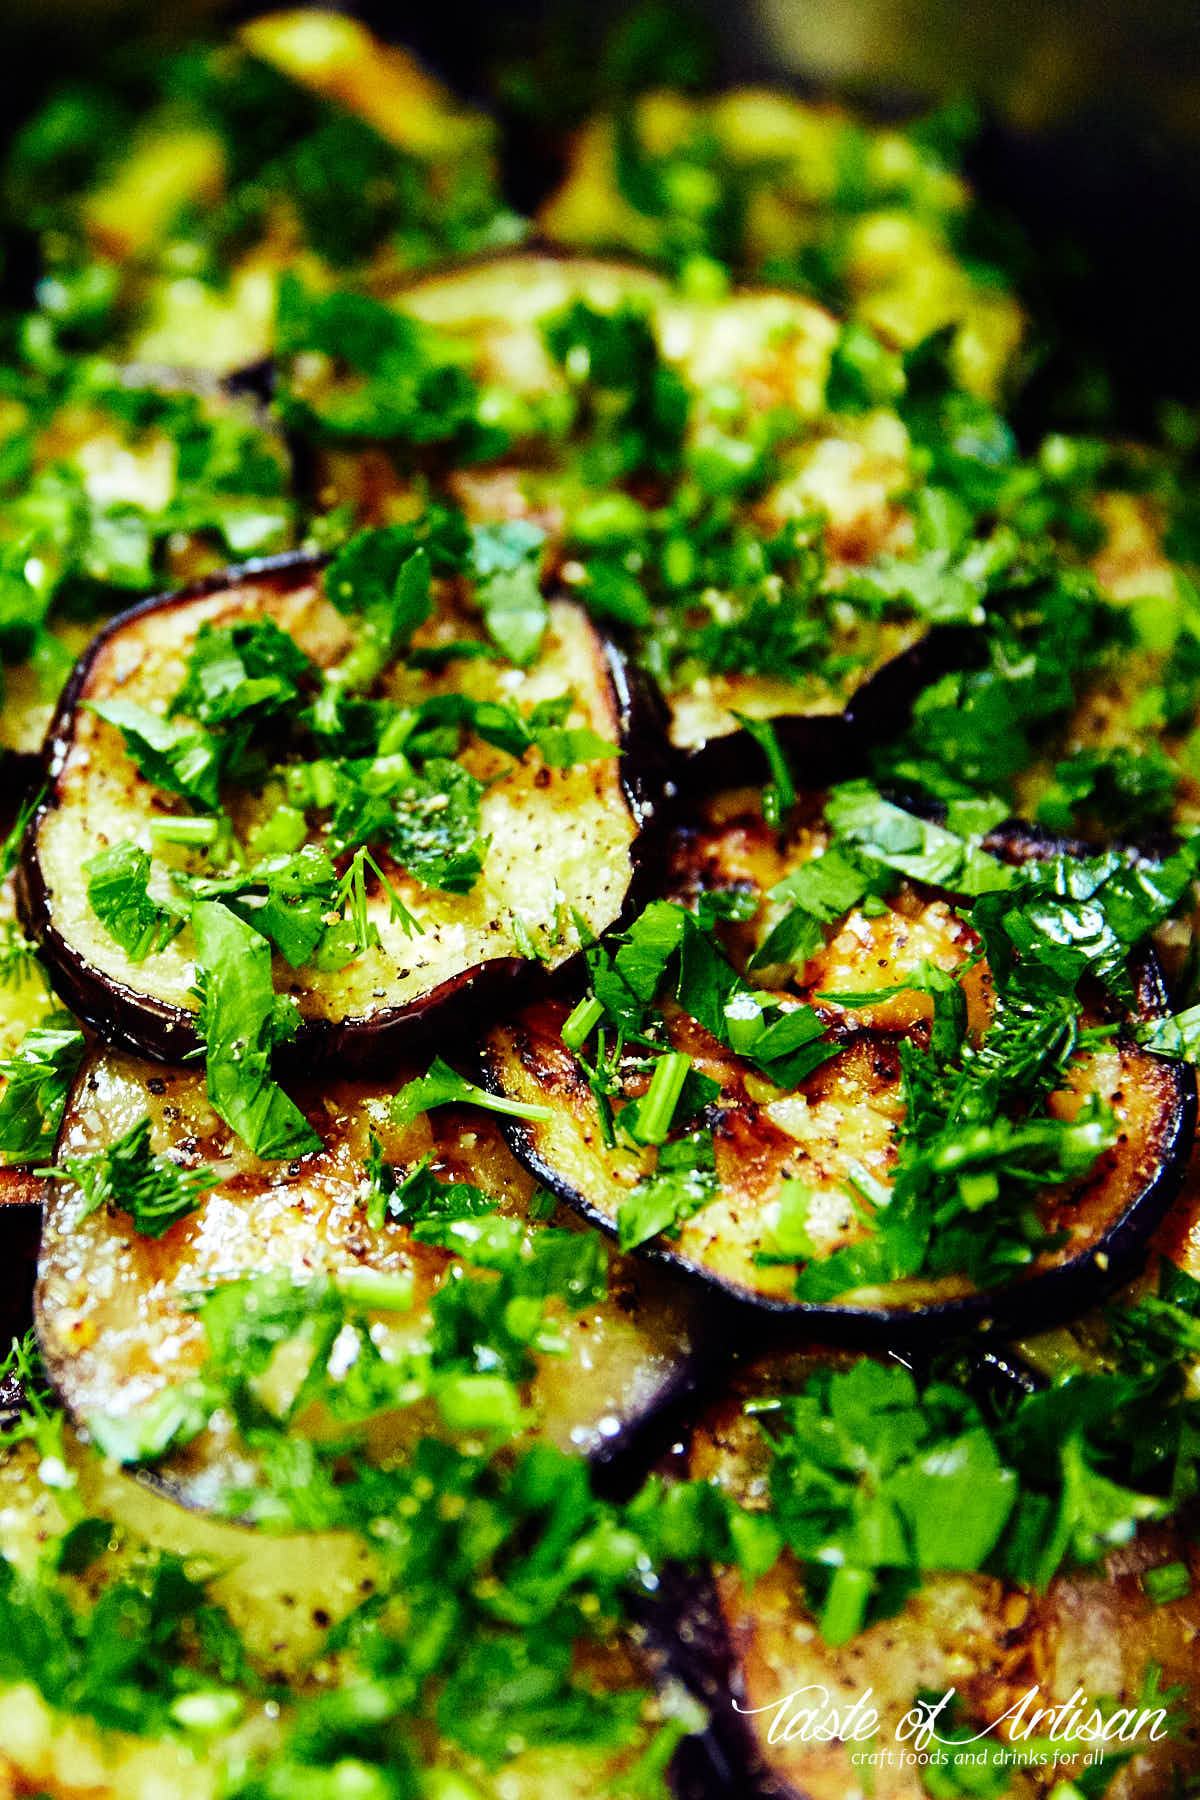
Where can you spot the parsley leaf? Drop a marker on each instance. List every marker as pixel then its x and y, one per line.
pixel 235 670
pixel 241 1020
pixel 1178 1035
pixel 382 575
pixel 635 404
pixel 177 755
pixel 684 1180
pixel 912 846
pixel 443 1086
pixel 118 894
pixel 405 384
pixel 428 821
pixel 872 1481
pixel 38 1077
pixel 506 562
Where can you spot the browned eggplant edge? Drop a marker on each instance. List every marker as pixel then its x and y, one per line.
pixel 1056 1294
pixel 687 1637
pixel 148 1027
pixel 165 1033
pixel 829 745
pixel 825 747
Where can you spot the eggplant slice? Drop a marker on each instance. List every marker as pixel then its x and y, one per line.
pixel 112 1307
pixel 136 469
pixel 563 841
pixel 988 1639
pixel 282 1594
pixel 24 1002
pixel 774 349
pixel 839 1127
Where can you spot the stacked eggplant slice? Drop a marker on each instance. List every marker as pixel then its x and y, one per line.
pixel 837 1132
pixel 597 1103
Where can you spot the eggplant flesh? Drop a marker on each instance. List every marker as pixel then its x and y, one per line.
pixel 282 1594
pixel 774 347
pixel 561 839
pixel 118 465
pixel 24 1002
pixel 989 1639
pixel 840 1126
pixel 112 1307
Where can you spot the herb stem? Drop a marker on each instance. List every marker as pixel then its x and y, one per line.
pixel 662 1097
pixel 582 1022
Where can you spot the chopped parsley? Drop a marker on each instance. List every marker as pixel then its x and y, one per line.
pixel 118 894
pixel 442 1086
pixel 506 563
pixel 38 1080
pixel 402 382
pixel 875 1478
pixel 241 1021
pixel 154 1190
pixel 632 403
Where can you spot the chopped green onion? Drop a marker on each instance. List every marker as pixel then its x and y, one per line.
pixel 480 1403
pixel 845 1606
pixel 312 784
pixel 582 1022
pixel 376 1289
pixel 279 835
pixel 657 1107
pixel 185 830
pixel 1170 1581
pixel 978 1190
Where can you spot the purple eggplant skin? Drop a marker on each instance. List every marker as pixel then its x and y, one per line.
pixel 447 1013
pixel 1039 1301
pixel 1152 1161
pixel 165 1033
pixel 824 747
pixel 19 770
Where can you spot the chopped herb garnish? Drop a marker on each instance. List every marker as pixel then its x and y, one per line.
pixel 443 1086
pixel 684 1180
pixel 241 1021
pixel 118 894
pixel 175 754
pixel 153 1189
pixel 38 1079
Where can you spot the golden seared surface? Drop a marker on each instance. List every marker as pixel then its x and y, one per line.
pixel 990 1640
pixel 114 1319
pixel 559 838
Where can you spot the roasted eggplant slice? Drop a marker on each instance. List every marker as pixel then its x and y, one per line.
pixel 138 478
pixel 281 1594
pixel 1114 764
pixel 113 1307
pixel 1090 1637
pixel 849 673
pixel 831 1144
pixel 557 841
